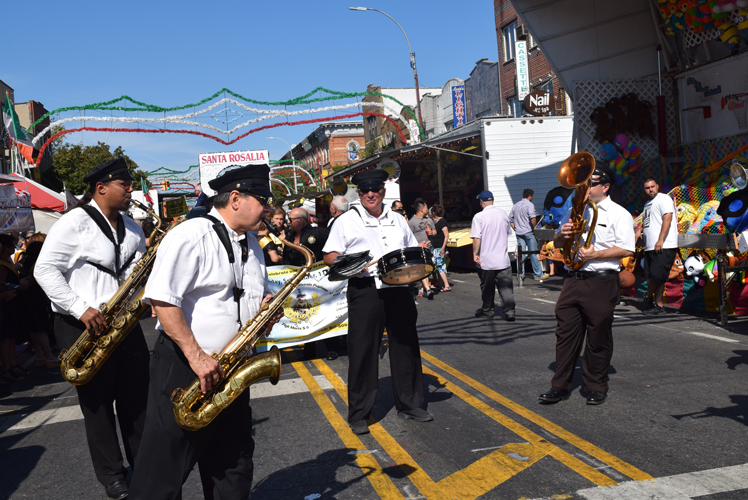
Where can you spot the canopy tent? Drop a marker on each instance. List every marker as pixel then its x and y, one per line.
pixel 15 211
pixel 41 197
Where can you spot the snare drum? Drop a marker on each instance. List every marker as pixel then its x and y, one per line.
pixel 406 265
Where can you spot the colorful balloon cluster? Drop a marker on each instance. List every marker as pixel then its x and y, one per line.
pixel 702 15
pixel 623 157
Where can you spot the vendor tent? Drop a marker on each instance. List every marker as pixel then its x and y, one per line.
pixel 15 211
pixel 47 206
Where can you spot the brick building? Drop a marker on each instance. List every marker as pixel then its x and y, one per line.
pixel 332 145
pixel 508 28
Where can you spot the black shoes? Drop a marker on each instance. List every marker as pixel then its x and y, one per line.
pixel 430 294
pixel 332 355
pixel 655 311
pixel 555 395
pixel 510 318
pixel 117 489
pixel 480 313
pixel 417 414
pixel 648 304
pixel 360 427
pixel 596 398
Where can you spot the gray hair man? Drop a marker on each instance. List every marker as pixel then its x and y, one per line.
pixel 338 207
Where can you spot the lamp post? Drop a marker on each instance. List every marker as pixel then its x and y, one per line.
pixel 290 150
pixel 412 58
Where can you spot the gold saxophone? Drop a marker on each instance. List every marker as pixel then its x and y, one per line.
pixel 194 410
pixel 85 358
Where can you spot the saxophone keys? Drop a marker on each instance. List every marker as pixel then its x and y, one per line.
pixel 119 322
pixel 132 306
pixel 71 374
pixel 103 341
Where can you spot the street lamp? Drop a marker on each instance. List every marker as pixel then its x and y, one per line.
pixel 290 150
pixel 412 57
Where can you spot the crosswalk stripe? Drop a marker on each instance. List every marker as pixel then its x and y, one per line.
pixel 69 413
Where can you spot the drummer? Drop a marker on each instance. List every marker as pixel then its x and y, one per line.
pixel 373 305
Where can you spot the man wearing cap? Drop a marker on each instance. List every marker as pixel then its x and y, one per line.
pixel 87 255
pixel 209 278
pixel 373 305
pixel 490 232
pixel 589 295
pixel 522 220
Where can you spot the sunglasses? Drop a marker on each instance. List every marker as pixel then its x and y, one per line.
pixel 369 190
pixel 262 199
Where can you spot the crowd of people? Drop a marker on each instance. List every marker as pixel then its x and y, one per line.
pixel 210 277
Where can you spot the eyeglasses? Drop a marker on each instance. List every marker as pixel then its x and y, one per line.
pixel 262 199
pixel 291 219
pixel 369 190
pixel 123 184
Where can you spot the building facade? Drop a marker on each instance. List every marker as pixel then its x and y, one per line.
pixel 438 110
pixel 381 130
pixel 508 28
pixel 331 146
pixel 482 91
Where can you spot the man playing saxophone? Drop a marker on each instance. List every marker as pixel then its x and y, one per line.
pixel 87 255
pixel 589 295
pixel 209 278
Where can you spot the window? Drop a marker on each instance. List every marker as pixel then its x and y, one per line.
pixel 508 37
pixel 548 87
pixel 371 122
pixel 515 107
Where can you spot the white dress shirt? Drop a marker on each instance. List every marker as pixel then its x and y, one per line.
pixel 62 270
pixel 615 228
pixel 192 271
pixel 354 233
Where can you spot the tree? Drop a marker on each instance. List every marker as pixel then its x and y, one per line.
pixel 72 162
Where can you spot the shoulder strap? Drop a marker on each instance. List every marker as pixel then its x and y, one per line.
pixel 9 266
pixel 355 209
pixel 106 228
pixel 223 236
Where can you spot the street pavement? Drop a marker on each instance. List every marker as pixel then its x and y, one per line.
pixel 673 426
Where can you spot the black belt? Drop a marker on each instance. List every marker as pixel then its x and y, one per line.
pixel 585 275
pixel 363 279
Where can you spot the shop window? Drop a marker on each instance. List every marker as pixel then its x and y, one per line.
pixel 515 107
pixel 508 37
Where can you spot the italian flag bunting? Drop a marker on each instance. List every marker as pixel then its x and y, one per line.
pixel 16 132
pixel 147 195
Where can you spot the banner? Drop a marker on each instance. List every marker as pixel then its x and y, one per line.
pixel 316 310
pixel 212 164
pixel 458 105
pixel 522 69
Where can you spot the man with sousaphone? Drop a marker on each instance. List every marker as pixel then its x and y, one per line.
pixel 373 304
pixel 591 292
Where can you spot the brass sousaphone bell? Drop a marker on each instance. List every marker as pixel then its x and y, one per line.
pixel 738 175
pixel 575 173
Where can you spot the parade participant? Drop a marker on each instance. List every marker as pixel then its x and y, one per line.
pixel 490 231
pixel 338 207
pixel 660 231
pixel 439 244
pixel 208 279
pixel 589 295
pixel 373 305
pixel 87 255
pixel 522 220
pixel 300 231
pixel 422 228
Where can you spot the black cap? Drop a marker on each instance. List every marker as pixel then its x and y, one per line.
pixel 109 171
pixel 371 178
pixel 606 174
pixel 250 179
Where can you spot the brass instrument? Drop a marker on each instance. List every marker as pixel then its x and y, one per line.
pixel 82 361
pixel 194 410
pixel 575 173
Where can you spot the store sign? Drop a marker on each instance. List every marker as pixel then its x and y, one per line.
pixel 212 164
pixel 415 134
pixel 339 187
pixel 391 167
pixel 522 69
pixel 539 102
pixel 458 105
pixel 175 207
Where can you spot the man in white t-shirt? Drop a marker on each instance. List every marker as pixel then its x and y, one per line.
pixel 660 231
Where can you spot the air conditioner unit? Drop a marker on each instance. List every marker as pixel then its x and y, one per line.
pixel 522 32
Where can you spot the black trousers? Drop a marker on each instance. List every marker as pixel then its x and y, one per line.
pixel 122 380
pixel 501 280
pixel 369 312
pixel 585 307
pixel 223 449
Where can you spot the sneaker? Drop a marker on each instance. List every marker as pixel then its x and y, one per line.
pixel 430 294
pixel 657 311
pixel 648 303
pixel 543 276
pixel 417 414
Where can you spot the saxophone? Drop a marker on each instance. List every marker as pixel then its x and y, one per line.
pixel 194 410
pixel 84 359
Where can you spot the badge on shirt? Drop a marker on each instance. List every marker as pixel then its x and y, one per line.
pixel 311 240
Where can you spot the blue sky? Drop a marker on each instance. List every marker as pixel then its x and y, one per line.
pixel 174 53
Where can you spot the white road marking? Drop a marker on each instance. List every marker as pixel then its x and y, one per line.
pixel 530 310
pixel 484 449
pixel 543 300
pixel 678 487
pixel 68 413
pixel 457 281
pixel 699 334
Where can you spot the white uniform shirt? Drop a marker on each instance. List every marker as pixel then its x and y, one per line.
pixel 353 233
pixel 62 270
pixel 654 210
pixel 192 271
pixel 615 228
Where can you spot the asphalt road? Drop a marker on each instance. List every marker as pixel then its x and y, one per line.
pixel 673 427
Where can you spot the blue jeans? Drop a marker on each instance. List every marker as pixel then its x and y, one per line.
pixel 529 244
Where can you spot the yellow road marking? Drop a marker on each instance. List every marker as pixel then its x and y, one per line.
pixel 538 442
pixel 383 485
pixel 567 436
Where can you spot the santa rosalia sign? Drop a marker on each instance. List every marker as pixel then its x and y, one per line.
pixel 539 102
